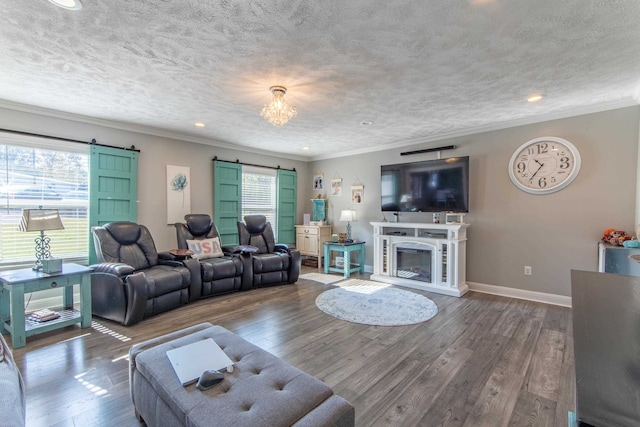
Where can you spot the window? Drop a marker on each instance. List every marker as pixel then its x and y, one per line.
pixel 259 193
pixel 37 172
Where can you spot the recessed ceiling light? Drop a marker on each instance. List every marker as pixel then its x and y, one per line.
pixel 68 4
pixel 305 148
pixel 366 122
pixel 199 124
pixel 535 98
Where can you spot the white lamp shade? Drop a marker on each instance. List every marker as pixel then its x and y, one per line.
pixel 40 220
pixel 348 215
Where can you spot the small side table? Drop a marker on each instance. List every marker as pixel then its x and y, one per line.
pixel 345 249
pixel 246 249
pixel 181 254
pixel 15 283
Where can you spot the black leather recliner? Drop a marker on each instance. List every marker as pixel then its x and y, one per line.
pixel 221 274
pixel 272 263
pixel 132 281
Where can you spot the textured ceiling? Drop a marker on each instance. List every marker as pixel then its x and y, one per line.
pixel 417 69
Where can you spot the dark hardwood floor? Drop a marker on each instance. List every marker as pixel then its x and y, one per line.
pixel 482 361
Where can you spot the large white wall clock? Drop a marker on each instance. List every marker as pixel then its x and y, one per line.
pixel 544 165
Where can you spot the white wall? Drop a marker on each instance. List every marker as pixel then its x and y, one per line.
pixel 509 228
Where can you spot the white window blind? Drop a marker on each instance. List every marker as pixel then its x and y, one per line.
pixel 52 174
pixel 259 193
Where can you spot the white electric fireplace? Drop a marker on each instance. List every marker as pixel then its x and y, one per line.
pixel 423 256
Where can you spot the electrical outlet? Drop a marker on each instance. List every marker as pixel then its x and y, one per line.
pixel 527 270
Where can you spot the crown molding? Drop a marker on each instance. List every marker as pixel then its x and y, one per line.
pixel 147 130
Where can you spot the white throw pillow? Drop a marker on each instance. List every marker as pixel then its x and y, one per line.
pixel 207 248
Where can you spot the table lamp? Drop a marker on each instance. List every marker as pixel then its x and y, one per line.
pixel 41 220
pixel 348 215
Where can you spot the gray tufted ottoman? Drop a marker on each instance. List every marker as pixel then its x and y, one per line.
pixel 263 390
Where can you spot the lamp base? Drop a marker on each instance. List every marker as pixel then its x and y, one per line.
pixel 43 251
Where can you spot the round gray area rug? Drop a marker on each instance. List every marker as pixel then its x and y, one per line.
pixel 376 304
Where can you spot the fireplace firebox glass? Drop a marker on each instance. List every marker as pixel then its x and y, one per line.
pixel 414 263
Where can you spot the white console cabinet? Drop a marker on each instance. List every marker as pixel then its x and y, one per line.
pixel 426 256
pixel 309 240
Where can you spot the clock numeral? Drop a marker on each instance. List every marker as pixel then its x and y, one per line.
pixel 542 182
pixel 565 163
pixel 521 167
pixel 540 148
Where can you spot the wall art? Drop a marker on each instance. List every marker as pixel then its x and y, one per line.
pixel 357 194
pixel 178 193
pixel 336 186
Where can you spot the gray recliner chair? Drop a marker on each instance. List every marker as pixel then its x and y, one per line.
pixel 133 281
pixel 273 263
pixel 220 274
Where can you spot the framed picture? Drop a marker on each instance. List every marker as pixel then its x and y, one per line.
pixel 178 193
pixel 336 186
pixel 318 182
pixel 357 194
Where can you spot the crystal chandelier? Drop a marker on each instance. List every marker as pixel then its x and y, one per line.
pixel 278 112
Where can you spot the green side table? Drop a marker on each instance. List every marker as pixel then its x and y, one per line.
pixel 345 249
pixel 15 283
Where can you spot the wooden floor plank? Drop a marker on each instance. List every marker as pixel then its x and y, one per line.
pixel 459 396
pixel 518 352
pixel 566 388
pixel 439 372
pixel 534 411
pixel 508 321
pixel 546 364
pixel 498 397
pixel 415 399
pixel 558 319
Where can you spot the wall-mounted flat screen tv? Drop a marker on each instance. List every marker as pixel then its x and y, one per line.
pixel 440 185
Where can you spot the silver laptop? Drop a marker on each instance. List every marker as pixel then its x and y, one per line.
pixel 191 360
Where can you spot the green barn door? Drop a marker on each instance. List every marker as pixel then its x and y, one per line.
pixel 227 200
pixel 113 188
pixel 286 206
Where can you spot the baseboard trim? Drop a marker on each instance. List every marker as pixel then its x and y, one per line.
pixel 553 299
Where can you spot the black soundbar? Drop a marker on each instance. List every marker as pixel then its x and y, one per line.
pixel 428 150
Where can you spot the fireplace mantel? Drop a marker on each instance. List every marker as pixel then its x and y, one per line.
pixel 448 260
